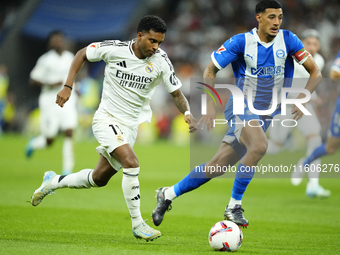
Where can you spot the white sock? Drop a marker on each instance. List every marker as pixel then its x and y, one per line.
pixel 169 193
pixel 130 186
pixel 312 144
pixel 312 182
pixel 81 180
pixel 38 142
pixel 234 202
pixel 68 158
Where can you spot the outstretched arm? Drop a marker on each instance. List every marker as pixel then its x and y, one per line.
pixel 209 76
pixel 76 65
pixel 183 106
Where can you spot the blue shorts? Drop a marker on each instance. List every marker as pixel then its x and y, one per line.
pixel 335 124
pixel 237 122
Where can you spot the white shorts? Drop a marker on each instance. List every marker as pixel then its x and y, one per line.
pixel 54 118
pixel 307 125
pixel 111 134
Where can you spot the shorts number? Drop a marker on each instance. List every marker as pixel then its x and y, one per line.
pixel 114 130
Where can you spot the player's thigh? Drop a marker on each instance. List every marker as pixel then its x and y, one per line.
pixel 309 125
pixel 111 135
pixel 253 136
pixel 224 156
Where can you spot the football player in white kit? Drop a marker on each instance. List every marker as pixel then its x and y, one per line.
pixel 133 71
pixel 308 126
pixel 50 73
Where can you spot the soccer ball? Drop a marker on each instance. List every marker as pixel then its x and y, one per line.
pixel 225 236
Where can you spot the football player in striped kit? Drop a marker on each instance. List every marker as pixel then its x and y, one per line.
pixel 261 59
pixel 133 71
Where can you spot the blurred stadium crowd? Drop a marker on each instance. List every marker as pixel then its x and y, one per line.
pixel 195 29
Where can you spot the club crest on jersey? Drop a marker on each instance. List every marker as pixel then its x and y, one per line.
pixel 120 138
pixel 221 49
pixel 149 68
pixel 280 53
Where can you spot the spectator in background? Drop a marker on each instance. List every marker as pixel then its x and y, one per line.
pixel 7 109
pixel 50 74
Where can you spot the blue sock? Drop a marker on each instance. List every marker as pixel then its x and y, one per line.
pixel 317 153
pixel 192 181
pixel 242 178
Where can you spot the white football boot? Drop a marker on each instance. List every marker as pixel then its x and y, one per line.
pixel 144 231
pixel 44 189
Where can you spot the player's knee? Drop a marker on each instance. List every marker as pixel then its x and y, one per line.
pixel 49 141
pixel 259 149
pixel 68 132
pixel 331 149
pixel 99 180
pixel 130 162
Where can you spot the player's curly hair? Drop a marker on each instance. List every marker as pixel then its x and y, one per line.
pixel 264 4
pixel 55 32
pixel 152 22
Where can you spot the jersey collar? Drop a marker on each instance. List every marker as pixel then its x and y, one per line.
pixel 130 47
pixel 264 44
pixel 133 53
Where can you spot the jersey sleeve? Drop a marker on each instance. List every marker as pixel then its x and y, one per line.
pixel 38 73
pixel 228 52
pixel 336 64
pixel 100 51
pixel 169 77
pixel 296 48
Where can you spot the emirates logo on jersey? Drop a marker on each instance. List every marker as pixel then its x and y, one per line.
pixel 149 68
pixel 221 49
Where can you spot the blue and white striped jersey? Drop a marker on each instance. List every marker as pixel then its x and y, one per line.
pixel 259 65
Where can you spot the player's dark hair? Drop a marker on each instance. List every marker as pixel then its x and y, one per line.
pixel 152 22
pixel 53 33
pixel 265 4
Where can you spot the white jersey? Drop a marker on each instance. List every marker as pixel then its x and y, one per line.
pixel 301 75
pixel 52 68
pixel 130 82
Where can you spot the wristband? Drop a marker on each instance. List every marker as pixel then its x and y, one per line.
pixel 187 113
pixel 68 86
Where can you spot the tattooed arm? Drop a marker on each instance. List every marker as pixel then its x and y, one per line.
pixel 182 105
pixel 209 76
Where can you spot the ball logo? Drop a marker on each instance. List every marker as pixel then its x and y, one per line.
pixel 149 68
pixel 280 53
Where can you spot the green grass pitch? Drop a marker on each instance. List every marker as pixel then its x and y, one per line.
pixel 96 221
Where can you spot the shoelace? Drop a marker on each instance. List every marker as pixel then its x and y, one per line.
pixel 238 211
pixel 169 206
pixel 146 228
